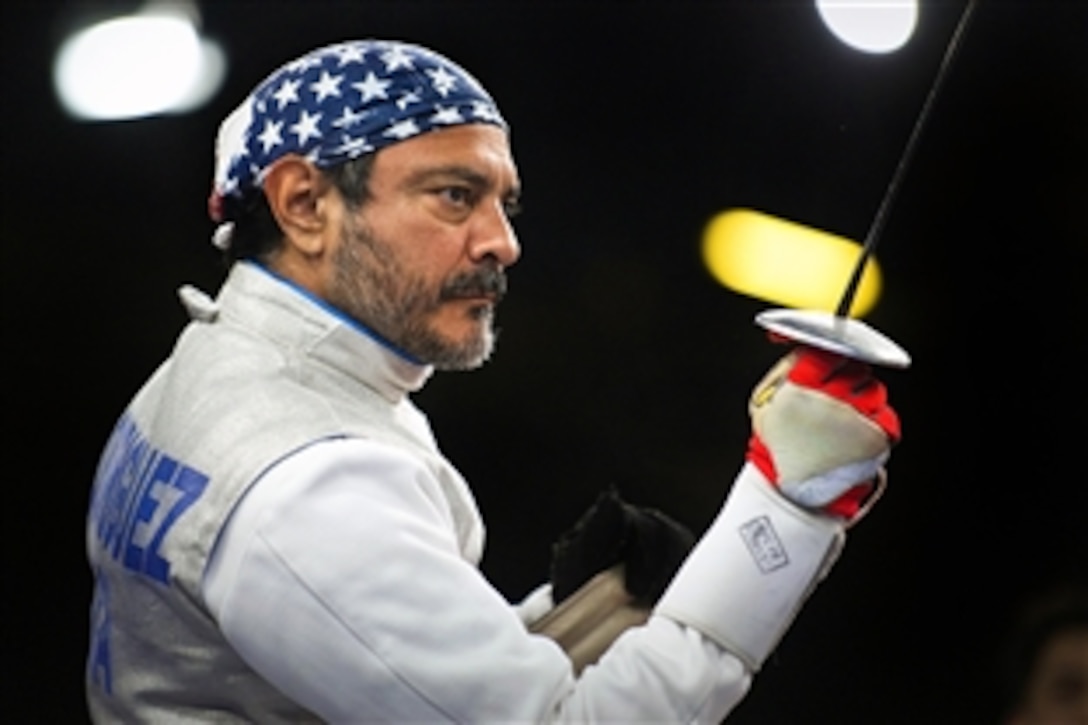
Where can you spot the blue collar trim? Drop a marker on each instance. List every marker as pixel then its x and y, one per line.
pixel 335 312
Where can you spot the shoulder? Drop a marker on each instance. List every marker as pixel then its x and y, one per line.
pixel 348 472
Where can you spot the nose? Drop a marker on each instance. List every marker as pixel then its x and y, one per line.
pixel 492 235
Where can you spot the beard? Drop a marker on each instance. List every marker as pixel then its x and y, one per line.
pixel 376 290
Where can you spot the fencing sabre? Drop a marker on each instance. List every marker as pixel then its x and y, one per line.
pixel 587 623
pixel 837 332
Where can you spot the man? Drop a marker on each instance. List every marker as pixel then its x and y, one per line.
pixel 274 532
pixel 1047 660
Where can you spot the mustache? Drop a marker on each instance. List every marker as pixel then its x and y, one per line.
pixel 484 282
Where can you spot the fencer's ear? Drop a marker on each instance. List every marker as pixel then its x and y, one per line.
pixel 298 195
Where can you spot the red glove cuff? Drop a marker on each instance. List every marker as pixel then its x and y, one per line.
pixel 761 459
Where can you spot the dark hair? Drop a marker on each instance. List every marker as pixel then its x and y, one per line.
pixel 256 233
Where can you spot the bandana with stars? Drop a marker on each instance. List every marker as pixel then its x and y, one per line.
pixel 337 103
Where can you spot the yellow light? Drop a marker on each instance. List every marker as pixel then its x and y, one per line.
pixel 786 263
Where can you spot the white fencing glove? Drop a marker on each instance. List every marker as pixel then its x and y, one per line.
pixel 822 430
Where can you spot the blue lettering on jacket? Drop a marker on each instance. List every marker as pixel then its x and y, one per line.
pixel 139 493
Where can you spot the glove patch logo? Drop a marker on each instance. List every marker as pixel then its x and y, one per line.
pixel 764 545
pixel 764 393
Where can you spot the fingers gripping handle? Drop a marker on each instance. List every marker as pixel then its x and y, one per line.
pixel 822 429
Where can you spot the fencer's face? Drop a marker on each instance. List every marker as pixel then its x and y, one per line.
pixel 422 262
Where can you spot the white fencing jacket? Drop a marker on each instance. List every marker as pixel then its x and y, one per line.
pixel 327 567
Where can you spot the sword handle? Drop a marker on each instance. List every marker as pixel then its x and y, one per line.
pixel 586 623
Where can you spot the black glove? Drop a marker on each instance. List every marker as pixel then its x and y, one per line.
pixel 649 544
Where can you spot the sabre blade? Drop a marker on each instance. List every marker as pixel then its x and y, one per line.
pixel 839 333
pixel 879 219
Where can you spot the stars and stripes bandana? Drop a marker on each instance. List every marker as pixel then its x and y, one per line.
pixel 337 103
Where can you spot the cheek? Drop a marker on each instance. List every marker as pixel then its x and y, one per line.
pixel 426 247
pixel 434 261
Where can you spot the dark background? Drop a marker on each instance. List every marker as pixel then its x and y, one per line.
pixel 621 361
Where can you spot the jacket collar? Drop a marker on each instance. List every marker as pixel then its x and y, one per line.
pixel 277 308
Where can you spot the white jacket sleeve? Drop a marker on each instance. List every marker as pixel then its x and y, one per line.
pixel 339 580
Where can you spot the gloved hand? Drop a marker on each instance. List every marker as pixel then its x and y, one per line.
pixel 649 544
pixel 821 430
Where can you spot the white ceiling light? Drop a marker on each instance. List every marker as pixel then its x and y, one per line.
pixel 146 64
pixel 874 26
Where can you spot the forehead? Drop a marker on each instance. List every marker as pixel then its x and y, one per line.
pixel 481 149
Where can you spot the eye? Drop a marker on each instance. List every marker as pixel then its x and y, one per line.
pixel 512 207
pixel 457 195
